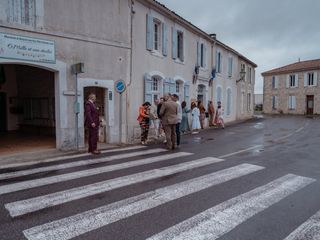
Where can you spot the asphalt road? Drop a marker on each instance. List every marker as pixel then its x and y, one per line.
pixel 256 180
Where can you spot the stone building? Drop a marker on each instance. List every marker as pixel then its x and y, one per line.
pixel 292 89
pixel 148 46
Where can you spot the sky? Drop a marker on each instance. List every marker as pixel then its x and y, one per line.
pixel 271 33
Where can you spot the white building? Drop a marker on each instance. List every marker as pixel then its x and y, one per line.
pixel 141 42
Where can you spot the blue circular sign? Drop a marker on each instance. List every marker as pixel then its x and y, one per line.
pixel 120 86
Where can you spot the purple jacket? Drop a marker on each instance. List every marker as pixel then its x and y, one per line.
pixel 91 114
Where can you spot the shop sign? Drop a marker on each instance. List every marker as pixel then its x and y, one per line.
pixel 27 48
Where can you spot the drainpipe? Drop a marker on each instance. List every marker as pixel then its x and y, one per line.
pixel 132 12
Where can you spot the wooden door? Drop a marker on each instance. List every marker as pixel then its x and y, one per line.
pixel 310 104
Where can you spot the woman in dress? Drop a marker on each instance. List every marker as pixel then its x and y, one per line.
pixel 195 113
pixel 184 123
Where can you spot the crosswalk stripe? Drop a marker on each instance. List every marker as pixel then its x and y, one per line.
pixel 217 221
pixel 33 204
pixel 14 165
pixel 78 163
pixel 308 230
pixel 102 216
pixel 14 187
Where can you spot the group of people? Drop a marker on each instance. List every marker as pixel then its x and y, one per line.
pixel 170 116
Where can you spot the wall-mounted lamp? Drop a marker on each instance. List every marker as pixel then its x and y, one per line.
pixel 242 75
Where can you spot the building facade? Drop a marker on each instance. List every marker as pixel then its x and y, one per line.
pixel 292 89
pixel 143 43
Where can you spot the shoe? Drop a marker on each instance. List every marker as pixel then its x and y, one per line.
pixel 95 152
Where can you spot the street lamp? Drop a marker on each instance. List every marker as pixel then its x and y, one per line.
pixel 242 75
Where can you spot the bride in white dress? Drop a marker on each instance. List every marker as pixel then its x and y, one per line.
pixel 195 113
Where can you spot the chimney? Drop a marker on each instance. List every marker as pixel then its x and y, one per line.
pixel 213 35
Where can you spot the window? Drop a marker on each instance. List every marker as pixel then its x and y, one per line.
pixel 157 39
pixel 155 84
pixel 177 87
pixel 201 54
pixel 292 80
pixel 230 62
pixel 249 74
pixel 218 63
pixel 249 102
pixel 310 79
pixel 157 34
pixel 292 102
pixel 22 12
pixel 180 45
pixel 274 102
pixel 274 82
pixel 243 70
pixel 219 94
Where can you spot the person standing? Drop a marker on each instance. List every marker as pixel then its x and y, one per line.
pixel 144 121
pixel 155 121
pixel 211 113
pixel 195 113
pixel 184 122
pixel 202 114
pixel 92 123
pixel 168 113
pixel 179 118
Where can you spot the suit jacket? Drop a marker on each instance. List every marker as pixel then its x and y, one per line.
pixel 91 114
pixel 168 112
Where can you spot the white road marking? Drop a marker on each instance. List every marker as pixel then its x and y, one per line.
pixel 21 164
pixel 241 151
pixel 76 225
pixel 14 187
pixel 77 163
pixel 309 230
pixel 217 221
pixel 33 204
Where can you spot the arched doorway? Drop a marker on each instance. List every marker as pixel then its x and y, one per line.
pixel 27 108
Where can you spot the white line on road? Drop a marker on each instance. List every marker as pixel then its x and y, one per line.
pixel 102 216
pixel 86 162
pixel 217 221
pixel 13 165
pixel 241 151
pixel 33 204
pixel 308 230
pixel 14 187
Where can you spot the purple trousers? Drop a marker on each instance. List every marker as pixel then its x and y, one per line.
pixel 93 138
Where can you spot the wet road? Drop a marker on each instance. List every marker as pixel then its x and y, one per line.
pixel 254 180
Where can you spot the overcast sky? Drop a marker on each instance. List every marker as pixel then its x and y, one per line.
pixel 271 33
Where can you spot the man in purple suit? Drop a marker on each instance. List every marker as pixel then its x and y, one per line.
pixel 92 123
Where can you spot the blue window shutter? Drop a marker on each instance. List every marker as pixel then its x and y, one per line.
pixel 315 78
pixel 297 80
pixel 147 88
pixel 217 69
pixel 204 56
pixel 174 43
pixel 164 39
pixel 219 93
pixel 306 79
pixel 172 86
pixel 149 32
pixel 198 54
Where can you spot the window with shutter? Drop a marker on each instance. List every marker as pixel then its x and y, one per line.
pixel 219 94
pixel 180 54
pixel 187 93
pixel 164 39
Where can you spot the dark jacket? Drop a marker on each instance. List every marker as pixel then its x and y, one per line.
pixel 92 114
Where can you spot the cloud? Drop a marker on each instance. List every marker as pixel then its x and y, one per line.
pixel 271 33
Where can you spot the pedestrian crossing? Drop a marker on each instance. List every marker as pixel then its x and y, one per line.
pixel 212 223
